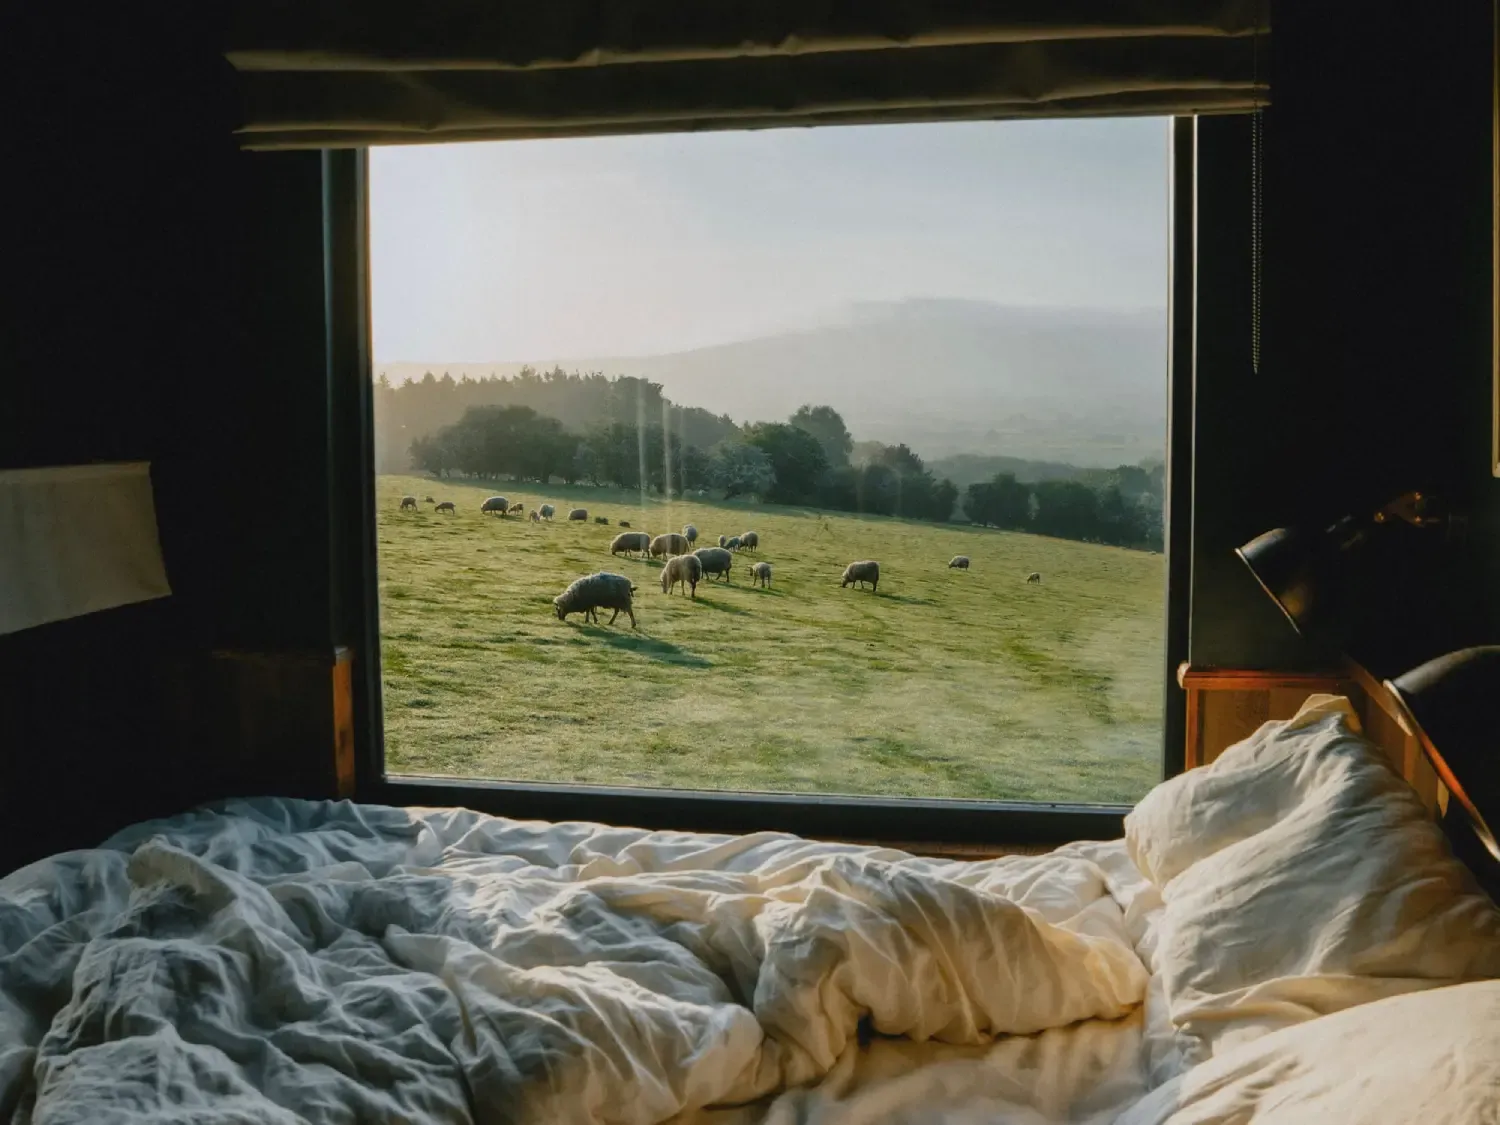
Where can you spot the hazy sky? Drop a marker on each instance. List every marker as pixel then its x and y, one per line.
pixel 544 250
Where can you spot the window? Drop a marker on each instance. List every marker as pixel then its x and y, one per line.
pixel 907 343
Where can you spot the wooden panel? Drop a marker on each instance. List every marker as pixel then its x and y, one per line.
pixel 343 722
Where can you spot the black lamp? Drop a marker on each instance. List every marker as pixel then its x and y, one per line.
pixel 1308 573
pixel 1452 706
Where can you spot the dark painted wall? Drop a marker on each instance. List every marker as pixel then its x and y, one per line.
pixel 165 305
pixel 1377 319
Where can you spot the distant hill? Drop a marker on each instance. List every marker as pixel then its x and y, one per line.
pixel 1085 386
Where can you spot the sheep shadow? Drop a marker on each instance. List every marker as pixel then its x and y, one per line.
pixel 905 600
pixel 650 647
pixel 723 607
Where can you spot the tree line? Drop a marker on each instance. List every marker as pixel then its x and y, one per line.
pixel 809 460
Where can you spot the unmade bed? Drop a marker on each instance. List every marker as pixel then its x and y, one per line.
pixel 1282 936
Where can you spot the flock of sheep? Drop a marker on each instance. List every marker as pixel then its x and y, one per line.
pixel 684 565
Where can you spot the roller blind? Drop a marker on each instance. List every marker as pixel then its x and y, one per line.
pixel 333 73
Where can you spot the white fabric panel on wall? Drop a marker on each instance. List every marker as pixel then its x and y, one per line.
pixel 74 540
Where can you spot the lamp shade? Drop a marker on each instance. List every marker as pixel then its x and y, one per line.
pixel 1452 705
pixel 1303 571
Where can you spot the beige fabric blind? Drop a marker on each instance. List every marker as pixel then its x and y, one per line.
pixel 331 73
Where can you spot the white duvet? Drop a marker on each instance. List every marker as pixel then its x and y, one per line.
pixel 279 961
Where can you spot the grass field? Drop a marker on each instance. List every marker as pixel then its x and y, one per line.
pixel 944 684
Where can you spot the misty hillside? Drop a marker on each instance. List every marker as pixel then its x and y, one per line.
pixel 944 376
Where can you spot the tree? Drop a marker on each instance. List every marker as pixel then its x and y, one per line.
pixel 796 458
pixel 1067 509
pixel 1001 502
pixel 741 469
pixel 827 425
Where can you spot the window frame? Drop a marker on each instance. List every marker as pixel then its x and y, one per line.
pixel 356 610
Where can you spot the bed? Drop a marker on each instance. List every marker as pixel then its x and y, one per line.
pixel 1282 935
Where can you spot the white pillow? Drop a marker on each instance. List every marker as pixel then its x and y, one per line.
pixel 1428 1059
pixel 1300 875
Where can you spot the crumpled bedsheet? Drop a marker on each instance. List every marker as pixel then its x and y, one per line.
pixel 280 961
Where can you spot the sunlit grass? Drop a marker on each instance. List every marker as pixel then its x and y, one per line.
pixel 945 683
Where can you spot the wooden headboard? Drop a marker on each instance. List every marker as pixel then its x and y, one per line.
pixel 1225 705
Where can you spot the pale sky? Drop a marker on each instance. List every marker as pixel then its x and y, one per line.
pixel 623 246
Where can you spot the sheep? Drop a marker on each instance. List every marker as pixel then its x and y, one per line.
pixel 690 533
pixel 602 519
pixel 497 504
pixel 1034 576
pixel 594 592
pixel 446 506
pixel 715 560
pixel 760 574
pixel 630 541
pixel 750 540
pixel 624 523
pixel 517 508
pixel 534 517
pixel 668 545
pixel 547 511
pixel 723 540
pixel 578 514
pixel 866 570
pixel 958 562
pixel 408 502
pixel 684 569
pixel 733 543
pixel 428 500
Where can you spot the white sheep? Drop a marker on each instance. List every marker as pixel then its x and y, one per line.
pixel 594 592
pixel 578 514
pixel 517 508
pixel 866 570
pixel 684 569
pixel 760 574
pixel 1034 576
pixel 630 541
pixel 497 504
pixel 547 511
pixel 750 540
pixel 715 560
pixel 958 562
pixel 408 502
pixel 690 533
pixel 446 506
pixel 668 545
pixel 723 540
pixel 534 517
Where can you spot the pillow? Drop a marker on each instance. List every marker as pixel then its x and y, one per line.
pixel 1432 1057
pixel 1300 875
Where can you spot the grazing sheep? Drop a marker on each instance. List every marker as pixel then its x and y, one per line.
pixel 1034 576
pixel 408 502
pixel 497 504
pixel 428 500
pixel 630 541
pixel 578 514
pixel 684 569
pixel 715 560
pixel 690 533
pixel 517 508
pixel 624 523
pixel 866 570
pixel 733 543
pixel 547 511
pixel 750 540
pixel 446 506
pixel 723 540
pixel 534 517
pixel 760 574
pixel 958 562
pixel 668 545
pixel 594 592
pixel 602 519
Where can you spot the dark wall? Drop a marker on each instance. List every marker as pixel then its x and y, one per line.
pixel 165 305
pixel 1377 319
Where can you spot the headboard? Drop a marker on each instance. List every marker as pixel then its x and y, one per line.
pixel 1225 705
